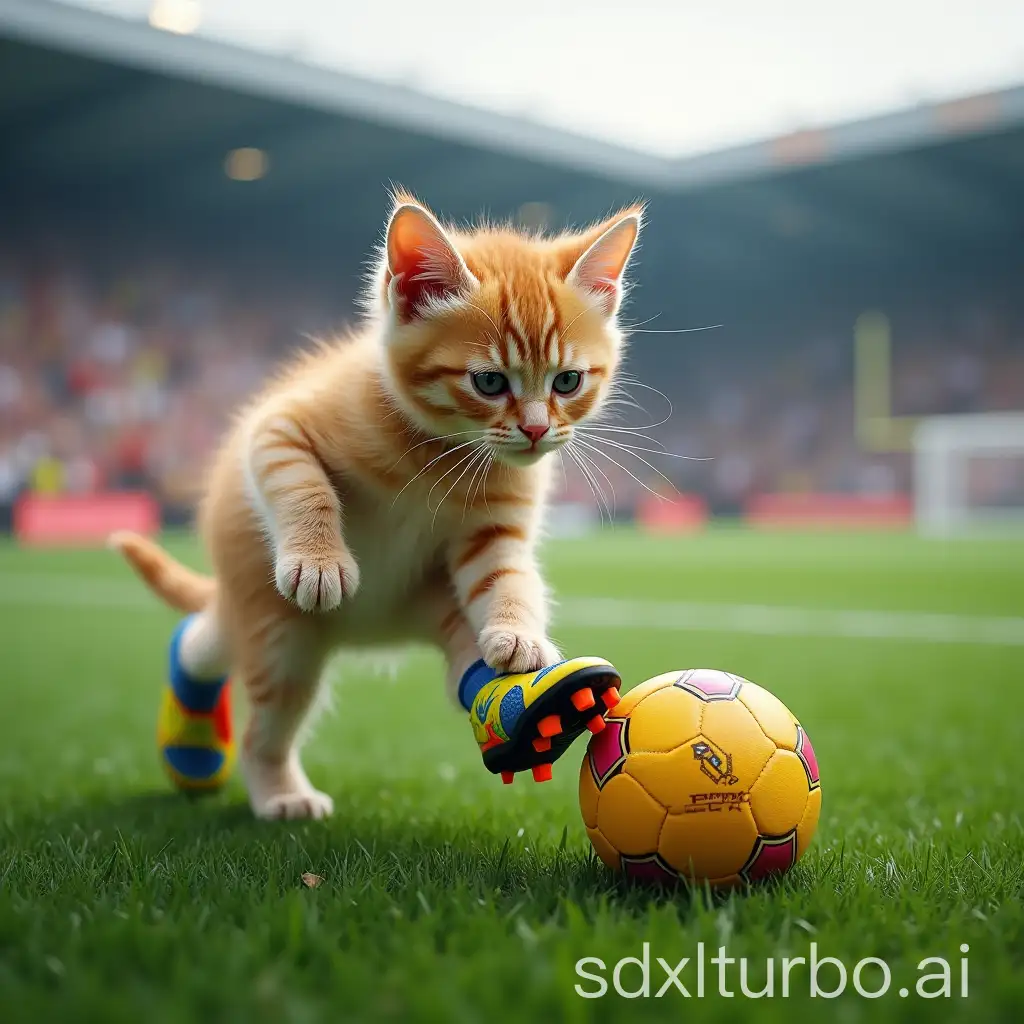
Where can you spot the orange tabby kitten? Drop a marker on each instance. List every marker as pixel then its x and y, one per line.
pixel 389 487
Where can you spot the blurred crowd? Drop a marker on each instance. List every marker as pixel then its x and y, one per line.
pixel 777 415
pixel 125 378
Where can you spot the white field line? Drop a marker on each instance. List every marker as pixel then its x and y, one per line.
pixel 779 620
pixel 51 590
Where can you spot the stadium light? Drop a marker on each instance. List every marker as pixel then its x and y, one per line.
pixel 182 17
pixel 246 164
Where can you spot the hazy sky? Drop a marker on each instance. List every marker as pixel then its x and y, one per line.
pixel 670 77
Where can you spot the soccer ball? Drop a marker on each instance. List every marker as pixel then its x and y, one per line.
pixel 703 776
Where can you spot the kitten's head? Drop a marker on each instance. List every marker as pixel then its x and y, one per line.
pixel 496 335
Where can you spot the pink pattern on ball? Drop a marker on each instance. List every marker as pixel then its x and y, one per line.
pixel 771 857
pixel 809 758
pixel 606 748
pixel 651 870
pixel 710 682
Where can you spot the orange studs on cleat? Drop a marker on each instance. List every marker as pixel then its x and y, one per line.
pixel 610 697
pixel 507 777
pixel 542 773
pixel 583 699
pixel 541 744
pixel 596 724
pixel 550 726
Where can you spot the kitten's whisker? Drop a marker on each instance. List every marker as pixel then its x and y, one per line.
pixel 481 465
pixel 477 453
pixel 583 312
pixel 443 437
pixel 615 462
pixel 633 327
pixel 591 480
pixel 617 395
pixel 487 471
pixel 650 451
pixel 483 479
pixel 575 458
pixel 597 469
pixel 635 426
pixel 444 454
pixel 676 330
pixel 627 381
pixel 612 403
pixel 497 329
pixel 635 431
pixel 451 469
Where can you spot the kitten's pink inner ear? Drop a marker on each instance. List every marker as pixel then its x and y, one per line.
pixel 600 269
pixel 422 263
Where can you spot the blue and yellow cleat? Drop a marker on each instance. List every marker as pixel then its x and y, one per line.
pixel 194 732
pixel 528 721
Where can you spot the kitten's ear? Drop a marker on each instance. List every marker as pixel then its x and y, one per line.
pixel 423 266
pixel 600 268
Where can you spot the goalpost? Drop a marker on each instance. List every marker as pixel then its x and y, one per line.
pixel 969 472
pixel 968 469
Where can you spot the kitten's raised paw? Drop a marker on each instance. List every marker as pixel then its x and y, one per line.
pixel 316 583
pixel 509 651
pixel 309 803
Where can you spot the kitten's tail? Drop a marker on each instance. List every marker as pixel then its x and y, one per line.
pixel 176 584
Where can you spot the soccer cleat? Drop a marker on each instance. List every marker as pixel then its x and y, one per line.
pixel 194 733
pixel 527 721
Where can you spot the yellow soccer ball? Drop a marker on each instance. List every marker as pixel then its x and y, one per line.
pixel 703 776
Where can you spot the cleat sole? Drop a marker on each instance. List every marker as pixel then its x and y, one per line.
pixel 508 778
pixel 596 724
pixel 610 697
pixel 542 772
pixel 542 744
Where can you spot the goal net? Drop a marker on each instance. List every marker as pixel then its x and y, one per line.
pixel 969 473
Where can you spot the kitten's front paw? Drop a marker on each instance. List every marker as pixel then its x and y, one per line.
pixel 309 803
pixel 316 583
pixel 511 651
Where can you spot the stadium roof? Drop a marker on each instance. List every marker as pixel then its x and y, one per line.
pixel 137 119
pixel 135 43
pixel 673 79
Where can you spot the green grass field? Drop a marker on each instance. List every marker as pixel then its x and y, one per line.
pixel 449 897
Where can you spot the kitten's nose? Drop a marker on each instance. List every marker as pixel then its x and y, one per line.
pixel 534 433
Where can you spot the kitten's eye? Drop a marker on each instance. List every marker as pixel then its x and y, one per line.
pixel 490 383
pixel 568 381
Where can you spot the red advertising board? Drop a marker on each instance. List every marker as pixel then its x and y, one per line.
pixel 82 519
pixel 847 511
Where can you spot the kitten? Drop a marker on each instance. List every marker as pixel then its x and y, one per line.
pixel 390 486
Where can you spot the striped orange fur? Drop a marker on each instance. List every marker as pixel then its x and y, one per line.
pixel 389 486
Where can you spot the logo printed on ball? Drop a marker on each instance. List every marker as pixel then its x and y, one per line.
pixel 715 763
pixel 723 800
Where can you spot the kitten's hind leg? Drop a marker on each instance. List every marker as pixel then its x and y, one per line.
pixel 280 668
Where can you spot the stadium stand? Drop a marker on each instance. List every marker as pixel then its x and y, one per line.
pixel 144 293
